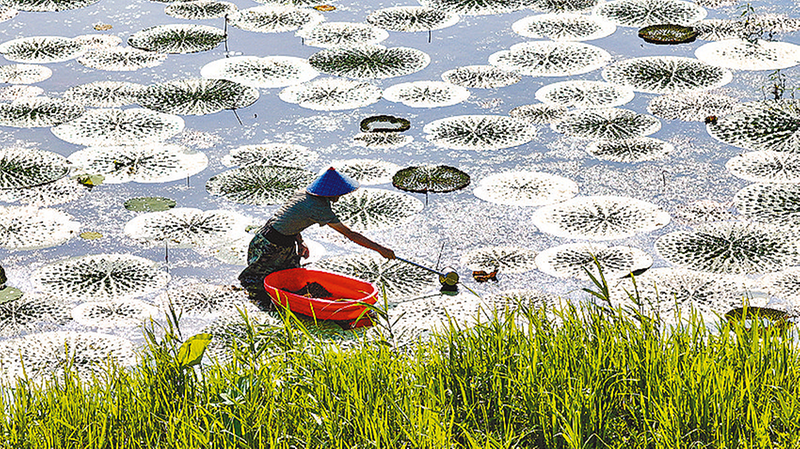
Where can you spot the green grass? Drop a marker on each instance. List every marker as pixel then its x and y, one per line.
pixel 590 379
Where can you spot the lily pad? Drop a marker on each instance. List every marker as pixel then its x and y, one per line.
pixel 505 259
pixel 384 123
pixel 387 141
pixel 766 166
pixel 15 92
pixel 481 77
pixel 539 114
pixel 98 41
pixel 584 94
pixel 61 191
pixel 564 27
pixel 107 127
pixel 41 49
pixel 104 94
pixel 412 18
pixel 268 72
pixel 525 188
pixel 546 58
pixel 178 38
pixel 426 94
pixel 563 6
pixel 151 163
pixel 740 54
pixel 339 34
pixel 577 260
pixel 187 227
pixel 642 13
pixel 26 227
pixel 666 75
pixel 274 18
pixel 703 211
pixel 369 61
pixel 121 59
pixel 276 154
pixel 636 149
pixel 197 96
pixel 200 9
pixel 479 132
pixel 761 125
pixel 38 112
pixel 606 124
pixel 91 235
pixel 149 204
pixel 430 178
pixel 773 204
pixel 691 106
pixel 205 300
pixel 7 13
pixel 115 313
pixel 367 171
pixel 258 184
pixel 47 5
pixel 668 34
pixel 373 209
pixel 476 7
pixel 9 294
pixel 24 73
pixel 27 167
pixel 783 284
pixel 330 94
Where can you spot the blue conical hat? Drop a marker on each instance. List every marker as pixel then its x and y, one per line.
pixel 332 183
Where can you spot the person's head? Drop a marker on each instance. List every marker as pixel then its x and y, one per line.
pixel 331 184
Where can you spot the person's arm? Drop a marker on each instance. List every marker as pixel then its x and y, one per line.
pixel 359 239
pixel 302 249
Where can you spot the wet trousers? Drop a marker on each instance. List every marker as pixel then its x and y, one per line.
pixel 263 258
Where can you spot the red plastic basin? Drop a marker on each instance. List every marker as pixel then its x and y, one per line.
pixel 344 303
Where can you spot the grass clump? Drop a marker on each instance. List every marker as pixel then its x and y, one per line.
pixel 583 379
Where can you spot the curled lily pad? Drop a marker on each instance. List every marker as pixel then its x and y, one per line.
pixel 766 166
pixel 61 191
pixel 382 140
pixel 372 209
pixel 121 59
pixel 525 188
pixel 481 77
pixel 642 13
pixel 274 18
pixel 584 94
pixel 104 94
pixel 398 279
pixel 761 125
pixel 731 247
pixel 41 49
pixel 668 34
pixel 197 96
pixel 337 34
pixel 187 227
pixel 27 167
pixel 149 204
pixel 11 93
pixel 268 72
pixel 691 106
pixel 384 123
pixel 479 132
pixel 204 300
pixel 200 9
pixel 412 18
pixel 114 313
pixel 426 94
pixel 150 163
pixel 330 94
pixel 476 7
pixel 666 74
pixel 26 227
pixel 38 112
pixel 107 127
pixel 546 58
pixel 742 54
pixel 563 27
pixel 179 38
pixel 539 114
pixel 505 259
pixel 47 5
pixel 774 204
pixel 24 73
pixel 606 124
pixel 369 61
pixel 41 355
pixel 577 260
pixel 31 313
pixel 636 149
pixel 101 277
pixel 430 178
pixel 600 218
pixel 367 171
pixel 276 154
pixel 258 184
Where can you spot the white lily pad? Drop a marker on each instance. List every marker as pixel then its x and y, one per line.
pixel 505 259
pixel 479 132
pixel 367 171
pixel 369 61
pixel 121 59
pixel 98 41
pixel 47 5
pixel 27 227
pixel 259 184
pixel 577 260
pixel 41 49
pixel 200 9
pixel 276 154
pixel 373 209
pixel 105 94
pixel 331 94
pixel 582 94
pixel 783 284
pixel 476 7
pixel 205 300
pixel 606 124
pixel 31 313
pixel 268 72
pixel 107 127
pixel 703 211
pixel 642 13
pixel 761 125
pixel 525 188
pixel 666 75
pixel 481 77
pixel 61 191
pixel 636 149
pixel 177 38
pixel 197 96
pixel 115 313
pixel 28 167
pixel 386 141
pixel 740 54
pixel 691 106
pixel 24 73
pixel 766 166
pixel 564 27
pixel 772 204
pixel 412 18
pixel 187 227
pixel 539 114
pixel 339 34
pixel 274 18
pixel 152 163
pixel 547 58
pixel 426 94
pixel 38 112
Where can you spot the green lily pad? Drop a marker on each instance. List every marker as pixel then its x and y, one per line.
pixel 668 34
pixel 149 204
pixel 90 180
pixel 10 294
pixel 3 277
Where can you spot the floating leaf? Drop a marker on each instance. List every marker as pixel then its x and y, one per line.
pixel 481 77
pixel 121 59
pixel 107 127
pixel 600 218
pixel 369 61
pixel 703 211
pixel 642 13
pixel 420 317
pixel 98 41
pixel 546 58
pixel 774 204
pixel 273 18
pixel 367 171
pixel 191 351
pixel 277 154
pixel 102 27
pixel 386 141
pixel 476 7
pixel 38 112
pixel 200 9
pixel 479 132
pixel 691 106
pixel 104 94
pixel 230 331
pixel 637 149
pixel 668 34
pixel 7 13
pixel 606 124
pixel 384 124
pixel 150 163
pixel 114 313
pixel 394 277
pixel 666 75
pixel 563 6
pixel 783 284
pixel 525 188
pixel 25 228
pixel 24 73
pixel 258 184
pixel 187 227
pixel 91 235
pixel 41 49
pixel 426 94
pixel 761 125
pixel 9 294
pixel 412 18
pixel 3 278
pixel 430 178
pixel 269 72
pixel 505 259
pixel 204 300
pixel 339 34
pixel 373 209
pixel 47 5
pixel 766 166
pixel 61 191
pixel 573 261
pixel 722 29
pixel 563 27
pixel 90 180
pixel 331 94
pixel 197 96
pixel 27 167
pixel 149 204
pixel 11 93
pixel 539 114
pixel 584 94
pixel 731 247
pixel 742 54
pixel 178 38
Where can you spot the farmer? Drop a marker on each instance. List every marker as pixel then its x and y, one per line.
pixel 278 245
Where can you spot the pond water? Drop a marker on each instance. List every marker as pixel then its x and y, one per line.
pixel 452 228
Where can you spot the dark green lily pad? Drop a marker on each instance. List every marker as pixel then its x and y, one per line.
pixel 3 277
pixel 384 123
pixel 668 34
pixel 149 204
pixel 768 317
pixel 430 178
pixel 10 294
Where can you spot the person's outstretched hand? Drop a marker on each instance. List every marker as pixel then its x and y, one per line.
pixel 302 250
